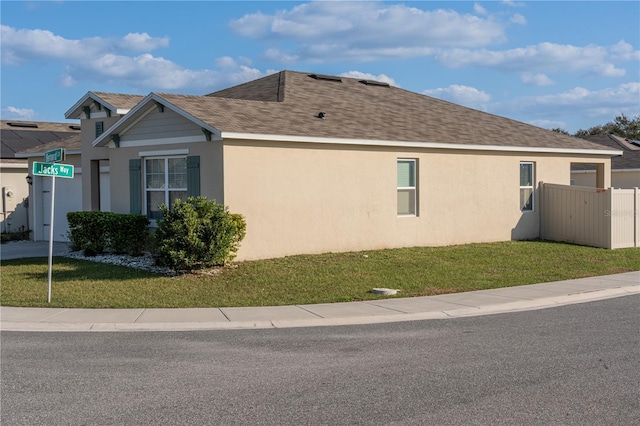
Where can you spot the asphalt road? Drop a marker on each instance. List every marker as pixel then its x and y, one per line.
pixel 572 365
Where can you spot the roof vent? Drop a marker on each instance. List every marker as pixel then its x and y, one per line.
pixel 322 115
pixel 23 124
pixel 374 83
pixel 74 127
pixel 325 77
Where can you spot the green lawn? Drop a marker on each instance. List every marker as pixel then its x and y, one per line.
pixel 310 279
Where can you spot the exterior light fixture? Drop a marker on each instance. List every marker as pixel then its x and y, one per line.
pixel 29 179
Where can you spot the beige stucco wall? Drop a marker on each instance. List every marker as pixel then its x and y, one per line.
pixel 14 206
pixel 619 179
pixel 308 198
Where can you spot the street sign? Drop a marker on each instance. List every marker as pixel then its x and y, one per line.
pixel 54 170
pixel 54 156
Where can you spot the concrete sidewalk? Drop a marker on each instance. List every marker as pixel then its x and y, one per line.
pixel 483 302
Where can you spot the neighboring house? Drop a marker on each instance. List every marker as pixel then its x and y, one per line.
pixel 625 169
pixel 320 163
pixel 17 136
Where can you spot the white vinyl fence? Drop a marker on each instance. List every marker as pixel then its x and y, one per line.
pixel 607 218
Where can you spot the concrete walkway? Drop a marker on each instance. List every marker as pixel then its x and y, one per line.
pixel 483 302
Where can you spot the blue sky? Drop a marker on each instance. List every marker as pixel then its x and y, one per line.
pixel 571 65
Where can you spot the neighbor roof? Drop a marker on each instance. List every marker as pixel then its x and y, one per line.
pixel 290 104
pixel 18 136
pixel 71 145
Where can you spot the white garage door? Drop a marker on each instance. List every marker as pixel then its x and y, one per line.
pixel 68 198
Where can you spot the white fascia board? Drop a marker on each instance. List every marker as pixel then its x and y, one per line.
pixel 132 117
pixel 408 144
pixel 41 154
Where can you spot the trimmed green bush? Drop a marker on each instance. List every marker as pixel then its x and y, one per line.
pixel 96 232
pixel 196 234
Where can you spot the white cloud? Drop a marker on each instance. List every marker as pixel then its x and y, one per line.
pixel 277 55
pixel 463 95
pixel 536 79
pixel 18 113
pixel 24 45
pixel 512 3
pixel 137 42
pixel 477 8
pixel 599 106
pixel 518 19
pixel 367 76
pixel 365 31
pixel 67 80
pixel 608 70
pixel 547 57
pixel 105 60
pixel 623 51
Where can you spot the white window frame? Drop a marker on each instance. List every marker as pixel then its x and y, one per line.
pixel 525 187
pixel 413 188
pixel 166 188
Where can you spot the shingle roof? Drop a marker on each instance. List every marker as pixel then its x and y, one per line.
pixel 18 136
pixel 120 100
pixel 288 103
pixel 630 158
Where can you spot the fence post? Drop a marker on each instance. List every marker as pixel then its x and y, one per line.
pixel 636 217
pixel 541 224
pixel 609 219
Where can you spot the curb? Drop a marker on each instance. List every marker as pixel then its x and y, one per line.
pixel 492 309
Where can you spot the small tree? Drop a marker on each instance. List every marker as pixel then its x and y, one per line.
pixel 196 234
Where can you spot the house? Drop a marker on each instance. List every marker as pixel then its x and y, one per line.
pixel 17 136
pixel 319 163
pixel 625 169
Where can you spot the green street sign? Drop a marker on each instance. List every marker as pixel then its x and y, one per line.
pixel 54 156
pixel 55 170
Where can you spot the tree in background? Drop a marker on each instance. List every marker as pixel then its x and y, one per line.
pixel 622 126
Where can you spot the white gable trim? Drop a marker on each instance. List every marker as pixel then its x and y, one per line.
pixel 408 144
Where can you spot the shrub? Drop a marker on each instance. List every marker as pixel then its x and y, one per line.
pixel 96 232
pixel 196 234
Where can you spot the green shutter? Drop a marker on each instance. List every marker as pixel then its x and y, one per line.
pixel 135 185
pixel 193 176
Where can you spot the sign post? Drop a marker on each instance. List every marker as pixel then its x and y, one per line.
pixel 51 168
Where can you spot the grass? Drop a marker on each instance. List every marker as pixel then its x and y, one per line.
pixel 334 277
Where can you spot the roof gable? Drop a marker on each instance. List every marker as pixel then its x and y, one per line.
pixel 103 103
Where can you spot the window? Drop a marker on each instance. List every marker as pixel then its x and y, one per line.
pixel 527 177
pixel 165 182
pixel 99 128
pixel 407 188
